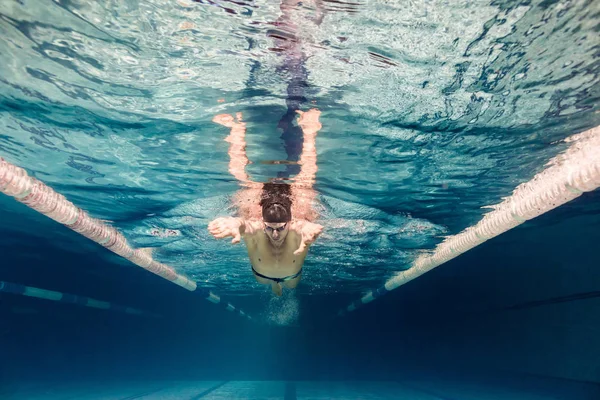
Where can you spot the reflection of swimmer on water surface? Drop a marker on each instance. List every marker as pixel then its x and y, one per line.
pixel 275 218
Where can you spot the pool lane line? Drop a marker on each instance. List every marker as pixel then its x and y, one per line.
pixel 68 298
pixel 208 391
pixel 567 176
pixel 15 182
pixel 146 393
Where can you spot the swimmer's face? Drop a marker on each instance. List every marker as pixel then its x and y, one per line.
pixel 276 231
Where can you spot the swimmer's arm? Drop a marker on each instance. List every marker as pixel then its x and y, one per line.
pixel 308 231
pixel 237 145
pixel 309 122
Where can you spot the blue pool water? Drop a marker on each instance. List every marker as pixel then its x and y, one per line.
pixel 431 111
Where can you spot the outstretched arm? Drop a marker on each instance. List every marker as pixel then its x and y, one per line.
pixel 309 231
pixel 302 187
pixel 227 226
pixel 309 122
pixel 237 145
pixel 231 226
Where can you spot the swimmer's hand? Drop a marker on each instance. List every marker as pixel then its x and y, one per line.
pixel 227 120
pixel 309 120
pixel 309 232
pixel 228 226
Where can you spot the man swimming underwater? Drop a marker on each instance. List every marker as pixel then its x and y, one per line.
pixel 275 218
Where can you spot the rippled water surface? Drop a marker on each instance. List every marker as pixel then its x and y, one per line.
pixel 430 111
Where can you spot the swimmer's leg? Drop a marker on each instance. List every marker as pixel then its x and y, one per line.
pixel 292 283
pixel 275 287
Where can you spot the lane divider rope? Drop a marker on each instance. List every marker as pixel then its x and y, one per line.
pixel 15 182
pixel 17 289
pixel 566 177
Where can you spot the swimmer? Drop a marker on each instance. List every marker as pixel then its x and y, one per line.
pixel 275 218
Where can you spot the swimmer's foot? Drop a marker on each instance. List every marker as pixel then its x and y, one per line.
pixel 227 120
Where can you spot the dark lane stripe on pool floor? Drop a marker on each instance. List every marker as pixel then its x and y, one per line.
pixel 137 396
pixel 429 392
pixel 207 391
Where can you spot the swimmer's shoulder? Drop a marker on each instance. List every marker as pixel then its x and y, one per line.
pixel 295 232
pixel 296 225
pixel 253 230
pixel 252 226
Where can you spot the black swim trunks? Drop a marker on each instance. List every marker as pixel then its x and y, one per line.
pixel 278 280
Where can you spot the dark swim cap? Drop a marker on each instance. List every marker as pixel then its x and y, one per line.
pixel 275 213
pixel 276 203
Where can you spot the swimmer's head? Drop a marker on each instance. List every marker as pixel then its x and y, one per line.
pixel 276 218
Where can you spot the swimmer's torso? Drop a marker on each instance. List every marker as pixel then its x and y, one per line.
pixel 275 262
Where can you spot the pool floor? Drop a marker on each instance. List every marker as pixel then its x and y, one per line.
pixel 531 389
